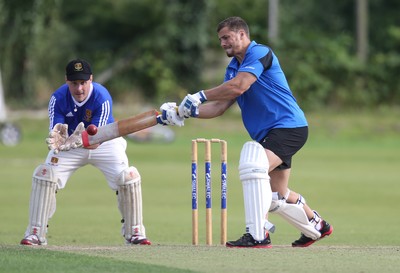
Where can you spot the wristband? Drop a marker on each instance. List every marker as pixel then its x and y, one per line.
pixel 202 96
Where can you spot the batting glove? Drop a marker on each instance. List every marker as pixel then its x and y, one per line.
pixel 189 107
pixel 169 116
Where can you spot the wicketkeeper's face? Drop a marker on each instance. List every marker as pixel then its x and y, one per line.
pixel 79 89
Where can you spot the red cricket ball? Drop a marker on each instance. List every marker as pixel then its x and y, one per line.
pixel 91 129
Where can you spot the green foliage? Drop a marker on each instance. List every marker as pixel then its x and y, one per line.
pixel 318 55
pixel 321 71
pixel 157 40
pixel 147 46
pixel 157 49
pixel 14 29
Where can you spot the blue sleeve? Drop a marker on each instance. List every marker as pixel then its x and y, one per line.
pixel 258 59
pixel 55 115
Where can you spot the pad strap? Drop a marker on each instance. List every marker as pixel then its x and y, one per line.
pixel 295 215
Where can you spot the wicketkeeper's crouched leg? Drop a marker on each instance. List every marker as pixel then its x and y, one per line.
pixel 130 205
pixel 42 205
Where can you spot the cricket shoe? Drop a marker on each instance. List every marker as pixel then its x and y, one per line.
pixel 138 240
pixel 248 241
pixel 305 241
pixel 33 240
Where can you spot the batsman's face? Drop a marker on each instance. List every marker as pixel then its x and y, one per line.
pixel 79 89
pixel 231 41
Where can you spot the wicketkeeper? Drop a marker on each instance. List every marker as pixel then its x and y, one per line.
pixel 72 107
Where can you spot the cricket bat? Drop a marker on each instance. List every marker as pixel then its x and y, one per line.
pixel 121 128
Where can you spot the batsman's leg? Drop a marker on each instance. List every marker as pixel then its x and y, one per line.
pixel 130 206
pixel 253 170
pixel 42 205
pixel 324 228
pixel 311 229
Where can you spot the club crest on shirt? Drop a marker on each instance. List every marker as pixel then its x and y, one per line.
pixel 88 115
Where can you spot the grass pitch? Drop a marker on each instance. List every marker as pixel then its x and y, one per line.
pixel 348 171
pixel 184 258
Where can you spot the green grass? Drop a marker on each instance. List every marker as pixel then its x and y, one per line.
pixel 43 260
pixel 348 171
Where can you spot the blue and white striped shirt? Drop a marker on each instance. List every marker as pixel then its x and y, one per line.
pixel 96 109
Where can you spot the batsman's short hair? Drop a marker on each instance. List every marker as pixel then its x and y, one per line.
pixel 234 23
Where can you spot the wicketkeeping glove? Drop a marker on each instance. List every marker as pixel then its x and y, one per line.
pixel 75 140
pixel 57 137
pixel 189 107
pixel 169 116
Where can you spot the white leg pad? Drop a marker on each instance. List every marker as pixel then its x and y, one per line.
pixel 295 215
pixel 130 203
pixel 253 171
pixel 42 201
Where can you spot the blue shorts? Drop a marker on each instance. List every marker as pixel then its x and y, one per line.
pixel 285 142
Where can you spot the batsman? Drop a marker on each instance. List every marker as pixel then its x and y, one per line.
pixel 74 106
pixel 278 128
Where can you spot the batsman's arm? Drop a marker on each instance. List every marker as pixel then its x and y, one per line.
pixel 121 128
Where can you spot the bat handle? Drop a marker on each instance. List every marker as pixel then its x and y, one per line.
pixel 160 112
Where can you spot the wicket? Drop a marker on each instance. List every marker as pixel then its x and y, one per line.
pixel 207 167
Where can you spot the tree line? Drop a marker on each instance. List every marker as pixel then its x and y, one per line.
pixel 161 49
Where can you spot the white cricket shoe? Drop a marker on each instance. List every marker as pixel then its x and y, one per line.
pixel 138 240
pixel 33 240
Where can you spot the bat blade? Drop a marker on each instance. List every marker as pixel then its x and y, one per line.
pixel 121 128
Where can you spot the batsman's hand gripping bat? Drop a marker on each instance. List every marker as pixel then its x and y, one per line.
pixel 121 128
